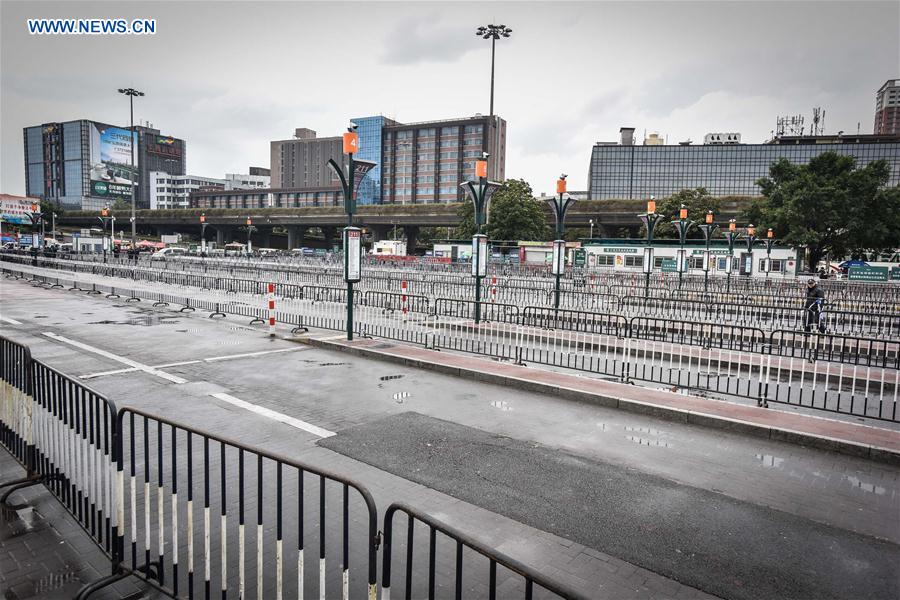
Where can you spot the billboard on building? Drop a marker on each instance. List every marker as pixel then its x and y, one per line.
pixel 16 209
pixel 111 156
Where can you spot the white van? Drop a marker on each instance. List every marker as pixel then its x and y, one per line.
pixel 168 253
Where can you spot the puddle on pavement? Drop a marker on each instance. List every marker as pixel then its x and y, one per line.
pixel 399 397
pixel 501 404
pixel 229 342
pixel 647 441
pixel 603 427
pixel 187 331
pixel 18 520
pixel 40 316
pixel 870 488
pixel 53 581
pixel 142 321
pixel 770 461
pixel 390 377
pixel 338 364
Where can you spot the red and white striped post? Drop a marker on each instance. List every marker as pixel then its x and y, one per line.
pixel 493 289
pixel 271 308
pixel 404 299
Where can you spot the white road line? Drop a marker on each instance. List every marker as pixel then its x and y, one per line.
pixel 105 373
pixel 309 427
pixel 249 354
pixel 187 362
pixel 10 321
pixel 125 361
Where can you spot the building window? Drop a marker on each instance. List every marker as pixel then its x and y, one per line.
pixel 634 261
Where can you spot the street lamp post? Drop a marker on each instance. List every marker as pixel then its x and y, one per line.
pixel 131 93
pixel 682 225
pixel 591 234
pixel 480 192
pixel 650 220
pixel 751 239
pixel 36 217
pixel 560 206
pixel 708 228
pixel 352 235
pixel 104 218
pixel 250 229
pixel 731 235
pixel 203 226
pixel 769 242
pixel 493 33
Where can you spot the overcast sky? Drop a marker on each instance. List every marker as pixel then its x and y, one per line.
pixel 229 77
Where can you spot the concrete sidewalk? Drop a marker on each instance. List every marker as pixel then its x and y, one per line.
pixel 848 438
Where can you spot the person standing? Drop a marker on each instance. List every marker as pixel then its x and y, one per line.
pixel 815 305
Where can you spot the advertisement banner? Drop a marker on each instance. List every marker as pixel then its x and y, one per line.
pixel 111 154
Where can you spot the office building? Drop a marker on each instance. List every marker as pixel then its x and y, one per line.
pixel 723 167
pixel 174 191
pixel 258 177
pixel 414 162
pixel 426 162
pixel 887 108
pixel 86 165
pixel 300 162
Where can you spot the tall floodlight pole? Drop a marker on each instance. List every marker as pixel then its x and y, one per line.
pixel 769 242
pixel 650 219
pixel 352 235
pixel 708 228
pixel 682 225
pixel 493 33
pixel 751 239
pixel 131 93
pixel 731 235
pixel 560 205
pixel 480 192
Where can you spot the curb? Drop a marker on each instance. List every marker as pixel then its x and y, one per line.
pixel 820 442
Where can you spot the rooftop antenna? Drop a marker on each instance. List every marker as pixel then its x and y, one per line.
pixel 818 124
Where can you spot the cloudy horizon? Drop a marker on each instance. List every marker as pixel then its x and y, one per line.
pixel 229 77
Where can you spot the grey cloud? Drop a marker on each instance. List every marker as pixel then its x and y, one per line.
pixel 425 39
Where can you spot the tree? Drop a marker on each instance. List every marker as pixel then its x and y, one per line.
pixel 829 206
pixel 698 201
pixel 514 215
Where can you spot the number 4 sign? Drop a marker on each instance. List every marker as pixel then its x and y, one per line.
pixel 351 142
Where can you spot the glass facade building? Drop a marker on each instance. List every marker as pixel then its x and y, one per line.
pixel 369 131
pixel 629 172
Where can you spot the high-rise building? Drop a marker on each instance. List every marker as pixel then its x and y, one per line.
pixel 426 162
pixel 724 167
pixel 85 165
pixel 887 108
pixel 415 162
pixel 300 162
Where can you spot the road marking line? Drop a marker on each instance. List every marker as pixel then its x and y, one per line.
pixel 176 364
pixel 105 373
pixel 308 427
pixel 249 354
pixel 10 321
pixel 125 361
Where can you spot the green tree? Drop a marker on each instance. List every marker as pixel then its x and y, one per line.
pixel 514 215
pixel 829 206
pixel 698 201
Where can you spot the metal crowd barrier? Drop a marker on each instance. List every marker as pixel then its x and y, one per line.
pixel 461 542
pixel 191 512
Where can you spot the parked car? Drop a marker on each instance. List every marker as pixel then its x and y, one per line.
pixel 165 253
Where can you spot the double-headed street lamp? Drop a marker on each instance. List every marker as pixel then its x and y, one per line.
pixel 682 225
pixel 731 235
pixel 650 220
pixel 560 205
pixel 493 33
pixel 480 192
pixel 104 219
pixel 352 235
pixel 203 226
pixel 708 228
pixel 131 93
pixel 751 239
pixel 769 242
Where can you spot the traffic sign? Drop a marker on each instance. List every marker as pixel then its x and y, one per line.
pixel 579 257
